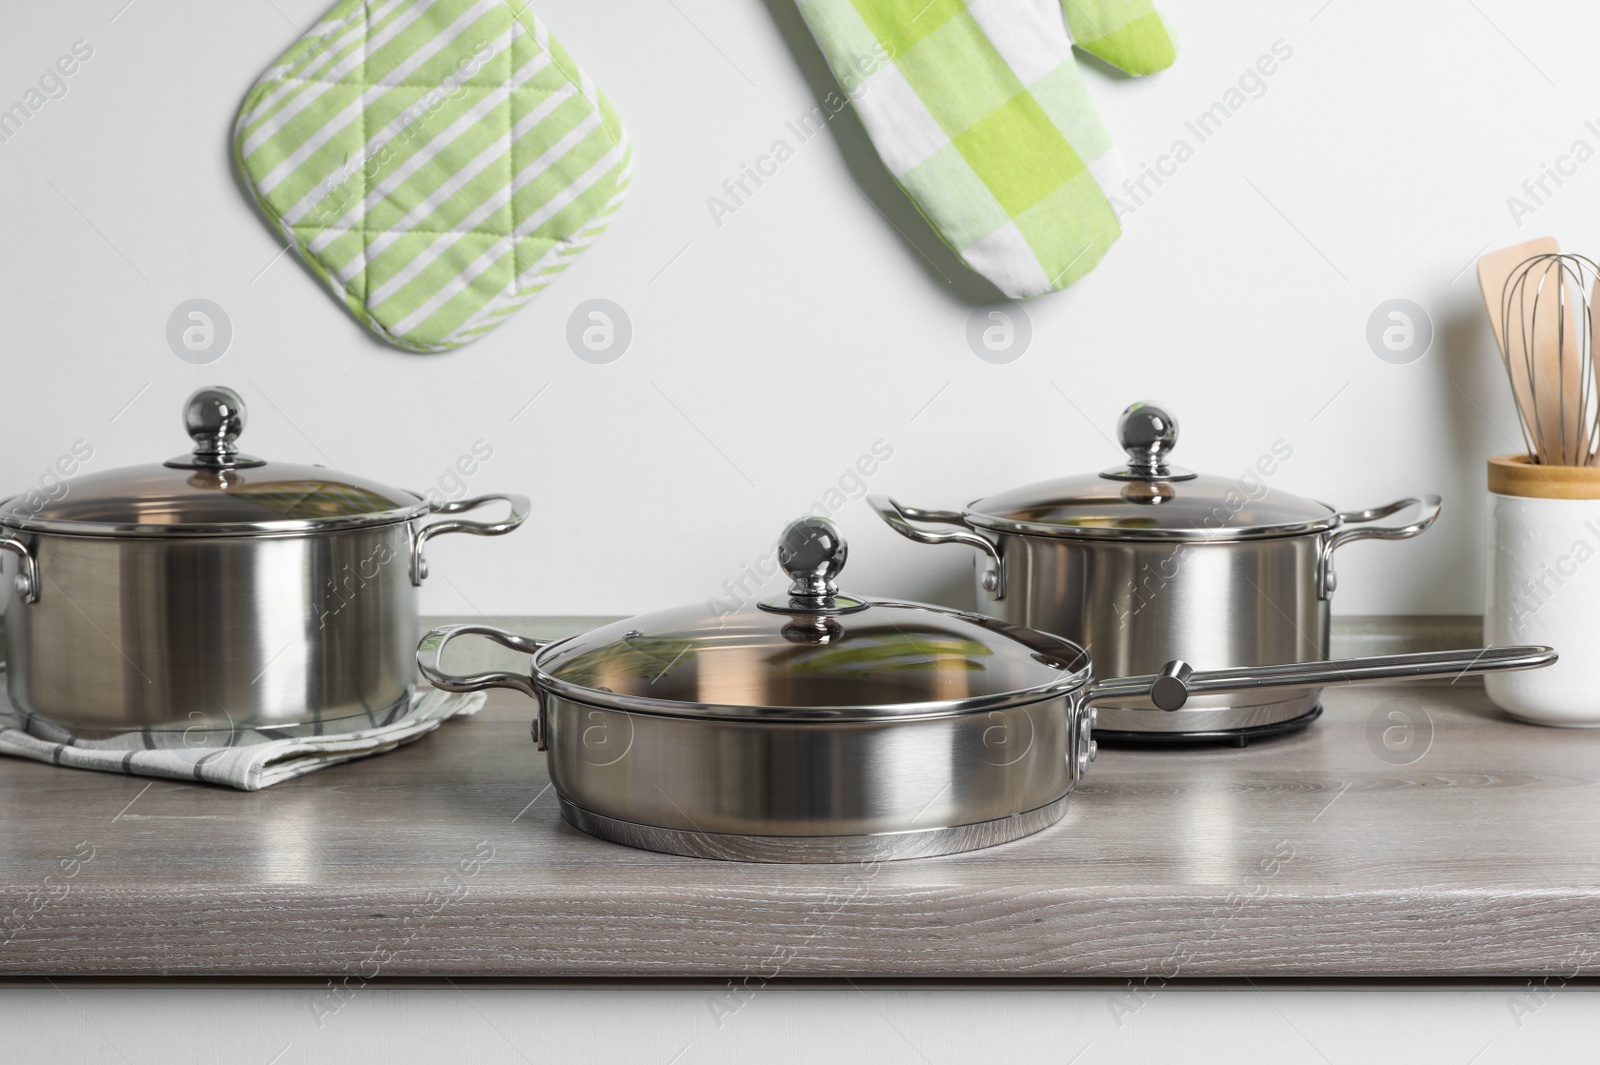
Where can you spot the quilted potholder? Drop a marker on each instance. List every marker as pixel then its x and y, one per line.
pixel 435 162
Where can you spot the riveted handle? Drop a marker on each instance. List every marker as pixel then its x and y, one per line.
pixel 431 650
pixel 899 518
pixel 1354 526
pixel 27 584
pixel 520 508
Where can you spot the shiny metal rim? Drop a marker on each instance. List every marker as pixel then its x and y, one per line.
pixel 260 529
pixel 1066 684
pixel 1210 536
pixel 630 704
pixel 816 850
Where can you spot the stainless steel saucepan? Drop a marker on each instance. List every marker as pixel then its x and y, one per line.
pixel 218 591
pixel 1147 562
pixel 825 728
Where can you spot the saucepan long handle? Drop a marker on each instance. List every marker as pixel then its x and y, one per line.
pixel 1171 688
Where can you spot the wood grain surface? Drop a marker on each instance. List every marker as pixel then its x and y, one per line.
pixel 1515 475
pixel 1315 854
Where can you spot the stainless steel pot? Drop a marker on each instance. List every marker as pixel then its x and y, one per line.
pixel 218 591
pixel 821 728
pixel 1149 562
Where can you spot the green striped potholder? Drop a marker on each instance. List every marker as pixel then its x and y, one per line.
pixel 435 162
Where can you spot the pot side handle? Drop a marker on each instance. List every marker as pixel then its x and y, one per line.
pixel 431 650
pixel 520 508
pixel 899 518
pixel 1171 688
pixel 27 568
pixel 1353 527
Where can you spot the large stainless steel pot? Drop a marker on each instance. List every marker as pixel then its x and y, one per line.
pixel 1148 562
pixel 821 728
pixel 218 591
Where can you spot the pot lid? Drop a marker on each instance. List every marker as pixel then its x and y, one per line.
pixel 213 491
pixel 1150 499
pixel 811 654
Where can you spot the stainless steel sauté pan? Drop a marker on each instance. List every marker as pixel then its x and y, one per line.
pixel 824 728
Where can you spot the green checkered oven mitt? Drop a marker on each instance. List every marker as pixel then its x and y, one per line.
pixel 435 162
pixel 977 109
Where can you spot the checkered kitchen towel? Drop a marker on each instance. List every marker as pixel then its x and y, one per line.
pixel 245 759
pixel 978 110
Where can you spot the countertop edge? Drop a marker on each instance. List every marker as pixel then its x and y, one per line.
pixel 1029 932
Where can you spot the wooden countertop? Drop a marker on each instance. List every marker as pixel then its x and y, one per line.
pixel 1306 855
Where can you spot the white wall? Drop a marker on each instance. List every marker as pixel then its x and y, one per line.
pixel 1084 1025
pixel 776 349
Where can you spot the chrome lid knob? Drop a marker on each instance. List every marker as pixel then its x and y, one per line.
pixel 1148 434
pixel 812 552
pixel 214 417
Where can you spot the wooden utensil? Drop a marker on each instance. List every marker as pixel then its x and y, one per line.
pixel 1494 271
pixel 1495 268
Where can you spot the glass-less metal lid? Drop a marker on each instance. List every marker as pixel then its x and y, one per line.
pixel 811 654
pixel 1152 499
pixel 213 491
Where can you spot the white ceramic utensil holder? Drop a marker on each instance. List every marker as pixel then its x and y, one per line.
pixel 1544 587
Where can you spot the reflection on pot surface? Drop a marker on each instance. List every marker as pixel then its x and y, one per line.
pixel 820 728
pixel 1148 562
pixel 218 591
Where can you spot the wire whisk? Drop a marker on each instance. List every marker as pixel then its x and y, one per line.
pixel 1548 338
